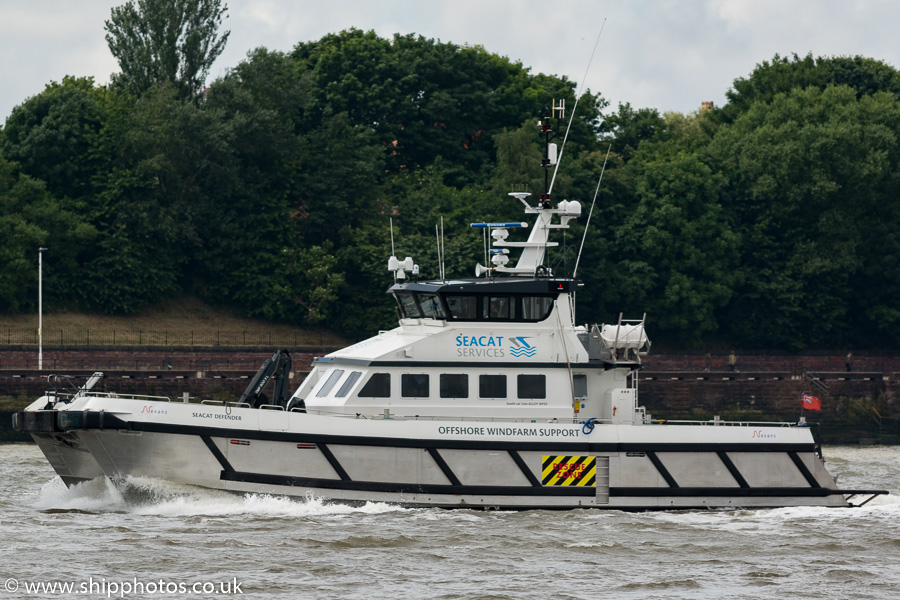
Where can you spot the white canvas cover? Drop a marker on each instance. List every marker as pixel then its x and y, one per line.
pixel 623 336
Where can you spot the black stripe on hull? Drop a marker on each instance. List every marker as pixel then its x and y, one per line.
pixel 549 491
pixel 448 472
pixel 801 466
pixel 572 448
pixel 732 468
pixel 665 492
pixel 520 462
pixel 216 453
pixel 662 469
pixel 334 462
pixel 406 488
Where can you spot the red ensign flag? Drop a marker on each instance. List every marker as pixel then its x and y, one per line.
pixel 811 402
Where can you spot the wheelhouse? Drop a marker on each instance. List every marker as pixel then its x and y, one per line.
pixel 523 301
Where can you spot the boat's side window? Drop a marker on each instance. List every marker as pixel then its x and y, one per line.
pixel 408 305
pixel 414 385
pixel 378 386
pixel 579 385
pixel 492 386
pixel 431 306
pixel 352 378
pixel 536 308
pixel 532 386
pixel 454 385
pixel 329 383
pixel 464 308
pixel 499 307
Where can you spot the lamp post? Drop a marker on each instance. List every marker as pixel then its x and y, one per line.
pixel 40 309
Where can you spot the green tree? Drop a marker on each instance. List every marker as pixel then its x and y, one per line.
pixel 53 136
pixel 425 99
pixel 628 128
pixel 812 185
pixel 165 41
pixel 154 203
pixel 30 218
pixel 676 254
pixel 864 75
pixel 261 102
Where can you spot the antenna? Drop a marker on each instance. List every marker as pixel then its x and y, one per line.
pixel 484 237
pixel 440 248
pixel 392 236
pixel 393 254
pixel 575 108
pixel 591 212
pixel 443 252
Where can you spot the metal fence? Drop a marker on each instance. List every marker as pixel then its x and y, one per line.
pixel 166 337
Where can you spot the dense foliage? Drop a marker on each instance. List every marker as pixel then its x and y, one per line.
pixel 770 222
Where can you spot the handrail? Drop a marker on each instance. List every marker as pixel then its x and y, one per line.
pixel 715 423
pixel 93 394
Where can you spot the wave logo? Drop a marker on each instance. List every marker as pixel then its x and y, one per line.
pixel 521 348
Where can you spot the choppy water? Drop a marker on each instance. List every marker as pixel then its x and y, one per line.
pixel 156 533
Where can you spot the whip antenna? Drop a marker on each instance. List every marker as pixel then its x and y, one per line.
pixel 572 116
pixel 591 212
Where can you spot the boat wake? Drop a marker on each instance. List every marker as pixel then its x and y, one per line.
pixel 153 497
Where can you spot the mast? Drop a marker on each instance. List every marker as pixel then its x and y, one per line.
pixel 531 261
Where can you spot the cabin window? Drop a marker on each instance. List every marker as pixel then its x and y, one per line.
pixel 579 385
pixel 492 386
pixel 431 306
pixel 408 305
pixel 499 308
pixel 352 378
pixel 454 385
pixel 536 308
pixel 464 308
pixel 329 383
pixel 532 386
pixel 414 385
pixel 378 386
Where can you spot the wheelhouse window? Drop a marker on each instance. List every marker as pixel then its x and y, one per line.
pixel 414 385
pixel 352 378
pixel 474 307
pixel 536 308
pixel 409 308
pixel 454 385
pixel 419 305
pixel 378 386
pixel 492 386
pixel 431 306
pixel 463 308
pixel 329 383
pixel 532 386
pixel 499 308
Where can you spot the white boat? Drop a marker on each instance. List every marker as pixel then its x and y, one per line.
pixel 486 395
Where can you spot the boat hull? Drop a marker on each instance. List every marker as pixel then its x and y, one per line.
pixel 445 464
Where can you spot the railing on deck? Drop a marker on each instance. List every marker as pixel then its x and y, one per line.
pixel 386 415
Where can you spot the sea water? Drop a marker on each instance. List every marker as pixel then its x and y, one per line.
pixel 151 539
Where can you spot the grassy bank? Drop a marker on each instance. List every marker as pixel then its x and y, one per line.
pixel 186 318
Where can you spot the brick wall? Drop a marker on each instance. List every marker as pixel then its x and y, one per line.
pixel 772 362
pixel 142 359
pixel 768 393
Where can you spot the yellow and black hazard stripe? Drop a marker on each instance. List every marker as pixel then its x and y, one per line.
pixel 569 470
